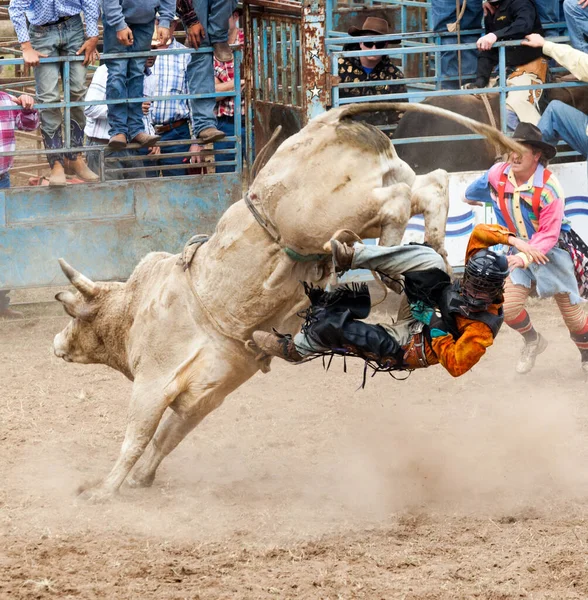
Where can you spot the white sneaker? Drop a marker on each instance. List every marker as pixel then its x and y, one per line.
pixel 529 353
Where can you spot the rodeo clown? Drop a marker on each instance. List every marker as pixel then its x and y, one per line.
pixel 438 322
pixel 528 199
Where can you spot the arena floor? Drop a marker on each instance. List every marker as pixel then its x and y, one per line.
pixel 300 486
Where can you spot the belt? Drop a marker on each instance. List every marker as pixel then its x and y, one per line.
pixel 60 20
pixel 169 126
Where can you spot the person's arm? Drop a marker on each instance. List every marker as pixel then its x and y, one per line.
pixel 575 61
pixel 525 13
pixel 16 10
pixel 114 15
pixel 26 119
pixel 91 9
pixel 478 192
pixel 459 356
pixel 97 91
pixel 186 12
pixel 484 236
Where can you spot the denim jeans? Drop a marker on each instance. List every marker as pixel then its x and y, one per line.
pixel 63 39
pixel 577 22
pixel 549 12
pixel 125 79
pixel 214 17
pixel 393 261
pixel 564 122
pixel 93 159
pixel 227 126
pixel 443 12
pixel 179 133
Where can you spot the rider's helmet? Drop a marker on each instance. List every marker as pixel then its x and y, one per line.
pixel 483 280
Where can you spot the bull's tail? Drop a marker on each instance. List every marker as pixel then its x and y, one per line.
pixel 489 132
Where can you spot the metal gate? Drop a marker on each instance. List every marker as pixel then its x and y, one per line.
pixel 104 229
pixel 286 67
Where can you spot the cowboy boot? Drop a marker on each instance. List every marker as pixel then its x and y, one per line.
pixel 52 142
pixel 79 167
pixel 74 162
pixel 276 344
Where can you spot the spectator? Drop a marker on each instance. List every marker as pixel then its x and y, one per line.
pixel 513 20
pixel 97 126
pixel 549 12
pixel 444 14
pixel 576 15
pixel 128 27
pixel 562 121
pixel 171 118
pixel 224 72
pixel 26 119
pixel 206 23
pixel 56 29
pixel 355 69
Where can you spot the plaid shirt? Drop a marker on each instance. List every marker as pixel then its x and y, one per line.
pixel 225 71
pixel 169 74
pixel 9 121
pixel 41 12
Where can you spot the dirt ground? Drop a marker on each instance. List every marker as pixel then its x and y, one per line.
pixel 300 485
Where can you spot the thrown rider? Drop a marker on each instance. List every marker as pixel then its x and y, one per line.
pixel 440 321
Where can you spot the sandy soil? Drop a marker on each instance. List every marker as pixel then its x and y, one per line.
pixel 301 486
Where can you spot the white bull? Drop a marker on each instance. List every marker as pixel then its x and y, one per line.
pixel 183 336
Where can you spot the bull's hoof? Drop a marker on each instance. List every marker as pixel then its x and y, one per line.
pixel 140 481
pixel 95 494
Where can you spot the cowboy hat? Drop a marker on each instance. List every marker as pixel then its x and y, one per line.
pixel 529 134
pixel 372 25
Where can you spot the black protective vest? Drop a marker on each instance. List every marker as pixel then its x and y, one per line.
pixel 433 287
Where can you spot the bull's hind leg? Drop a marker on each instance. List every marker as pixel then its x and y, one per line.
pixel 207 391
pixel 148 403
pixel 430 197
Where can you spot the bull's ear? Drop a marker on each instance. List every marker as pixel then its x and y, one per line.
pixel 84 285
pixel 74 307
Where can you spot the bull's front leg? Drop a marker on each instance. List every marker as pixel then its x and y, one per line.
pixel 430 197
pixel 148 403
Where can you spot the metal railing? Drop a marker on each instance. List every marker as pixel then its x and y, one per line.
pixel 67 104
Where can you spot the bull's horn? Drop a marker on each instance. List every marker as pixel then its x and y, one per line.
pixel 86 286
pixel 489 132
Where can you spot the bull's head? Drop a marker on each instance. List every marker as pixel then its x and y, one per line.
pixel 81 341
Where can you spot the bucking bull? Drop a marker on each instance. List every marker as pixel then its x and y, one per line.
pixel 184 336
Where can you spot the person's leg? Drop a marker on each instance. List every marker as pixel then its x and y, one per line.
pixel 577 22
pixel 179 133
pixel 395 260
pixel 562 121
pixel 517 318
pixel 443 12
pixel 518 101
pixel 219 12
pixel 227 126
pixel 548 12
pixel 576 321
pixel 116 84
pixel 200 78
pixel 72 40
pixel 46 41
pixel 93 158
pixel 337 331
pixel 142 35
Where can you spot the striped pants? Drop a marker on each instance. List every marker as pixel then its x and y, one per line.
pixel 516 317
